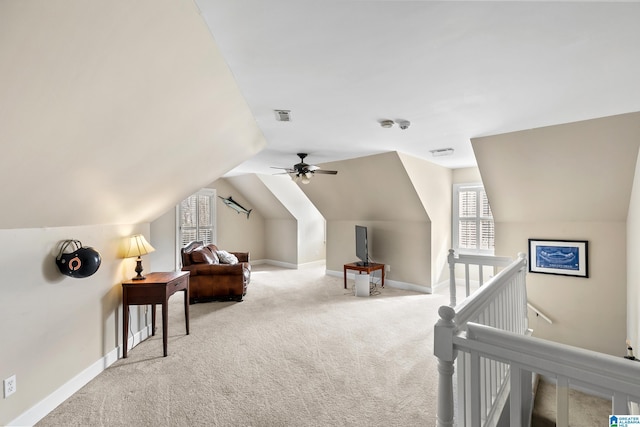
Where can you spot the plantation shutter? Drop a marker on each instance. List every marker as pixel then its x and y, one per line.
pixel 196 218
pixel 473 230
pixel 485 223
pixel 468 235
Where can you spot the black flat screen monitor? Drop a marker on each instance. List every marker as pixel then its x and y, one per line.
pixel 362 245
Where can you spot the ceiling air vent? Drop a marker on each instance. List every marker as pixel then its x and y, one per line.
pixel 283 115
pixel 442 152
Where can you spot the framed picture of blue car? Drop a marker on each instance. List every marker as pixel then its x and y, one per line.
pixel 564 257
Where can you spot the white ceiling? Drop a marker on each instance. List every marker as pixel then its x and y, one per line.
pixel 455 70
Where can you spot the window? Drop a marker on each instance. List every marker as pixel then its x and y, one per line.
pixel 473 230
pixel 196 218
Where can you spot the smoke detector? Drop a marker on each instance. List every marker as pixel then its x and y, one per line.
pixel 283 115
pixel 404 124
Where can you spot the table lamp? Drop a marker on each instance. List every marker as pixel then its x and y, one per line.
pixel 138 246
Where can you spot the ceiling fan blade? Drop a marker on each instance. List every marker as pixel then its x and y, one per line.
pixel 304 169
pixel 289 170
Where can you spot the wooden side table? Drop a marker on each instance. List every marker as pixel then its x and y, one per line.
pixel 372 266
pixel 155 288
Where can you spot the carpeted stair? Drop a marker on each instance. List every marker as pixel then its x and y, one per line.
pixel 585 410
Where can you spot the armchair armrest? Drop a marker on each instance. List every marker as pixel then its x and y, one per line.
pixel 242 256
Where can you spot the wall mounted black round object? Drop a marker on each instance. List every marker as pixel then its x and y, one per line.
pixel 80 262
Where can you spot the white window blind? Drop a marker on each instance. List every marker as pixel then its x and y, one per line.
pixel 473 228
pixel 196 218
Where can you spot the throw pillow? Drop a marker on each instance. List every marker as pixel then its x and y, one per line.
pixel 214 250
pixel 227 258
pixel 202 256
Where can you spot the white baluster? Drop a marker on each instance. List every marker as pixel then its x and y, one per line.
pixel 451 259
pixel 562 402
pixel 475 388
pixel 619 405
pixel 515 398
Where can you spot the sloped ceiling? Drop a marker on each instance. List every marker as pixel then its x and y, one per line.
pixel 579 171
pixel 110 112
pixel 455 69
pixel 371 188
pixel 276 197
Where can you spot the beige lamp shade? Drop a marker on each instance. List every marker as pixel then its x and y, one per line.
pixel 138 246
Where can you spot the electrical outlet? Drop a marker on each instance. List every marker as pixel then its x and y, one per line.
pixel 9 386
pixel 387 268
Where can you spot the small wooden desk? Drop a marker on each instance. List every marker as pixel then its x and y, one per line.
pixel 372 266
pixel 155 288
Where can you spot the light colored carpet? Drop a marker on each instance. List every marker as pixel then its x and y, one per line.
pixel 298 351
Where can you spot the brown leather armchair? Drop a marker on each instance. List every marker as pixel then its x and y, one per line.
pixel 212 279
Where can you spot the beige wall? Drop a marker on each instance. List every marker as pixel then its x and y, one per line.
pixel 579 171
pixel 52 326
pixel 404 246
pixel 236 232
pixel 570 181
pixel 293 204
pixel 282 238
pixel 433 185
pixel 586 312
pixel 87 97
pixel 466 175
pixel 312 235
pixel 163 239
pixel 406 204
pixel 633 266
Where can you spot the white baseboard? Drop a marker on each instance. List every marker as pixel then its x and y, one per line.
pixel 442 285
pixel 289 264
pixel 391 283
pixel 51 402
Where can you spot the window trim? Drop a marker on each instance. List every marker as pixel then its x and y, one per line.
pixel 455 220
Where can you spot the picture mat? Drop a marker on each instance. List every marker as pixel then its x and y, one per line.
pixel 576 248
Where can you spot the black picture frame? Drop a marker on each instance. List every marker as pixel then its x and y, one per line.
pixel 559 257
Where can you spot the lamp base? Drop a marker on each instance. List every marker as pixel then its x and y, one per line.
pixel 138 270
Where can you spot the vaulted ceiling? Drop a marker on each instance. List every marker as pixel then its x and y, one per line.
pixel 454 70
pixel 111 112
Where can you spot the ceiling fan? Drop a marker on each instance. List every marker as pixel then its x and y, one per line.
pixel 303 171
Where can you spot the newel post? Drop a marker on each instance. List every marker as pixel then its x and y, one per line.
pixel 451 259
pixel 443 349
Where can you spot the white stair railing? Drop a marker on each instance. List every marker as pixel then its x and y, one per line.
pixel 500 303
pixel 488 339
pixel 600 373
pixel 480 261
